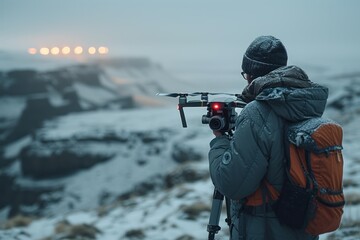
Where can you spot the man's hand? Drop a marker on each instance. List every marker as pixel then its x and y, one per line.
pixel 217 133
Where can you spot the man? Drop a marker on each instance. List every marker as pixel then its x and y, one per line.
pixel 248 168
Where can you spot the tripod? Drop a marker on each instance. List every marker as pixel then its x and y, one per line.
pixel 213 226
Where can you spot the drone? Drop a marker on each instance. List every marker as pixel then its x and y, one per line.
pixel 221 114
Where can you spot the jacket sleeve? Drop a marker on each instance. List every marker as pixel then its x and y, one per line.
pixel 238 166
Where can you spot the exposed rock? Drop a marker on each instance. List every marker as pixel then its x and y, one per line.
pixel 143 188
pixel 185 237
pixel 179 176
pixel 29 201
pixel 182 153
pixel 36 111
pixel 6 189
pixel 21 82
pixel 183 175
pixel 18 221
pixel 58 162
pixel 153 136
pixel 349 100
pixel 135 234
pixel 193 211
pixel 66 230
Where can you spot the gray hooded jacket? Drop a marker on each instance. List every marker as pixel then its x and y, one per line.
pixel 256 151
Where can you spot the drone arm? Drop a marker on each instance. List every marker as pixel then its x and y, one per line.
pixel 184 103
pixel 182 116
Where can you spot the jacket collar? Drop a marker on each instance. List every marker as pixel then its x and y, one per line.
pixel 288 76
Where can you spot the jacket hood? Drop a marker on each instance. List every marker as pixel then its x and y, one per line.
pixel 289 92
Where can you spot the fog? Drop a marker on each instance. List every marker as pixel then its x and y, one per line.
pixel 187 34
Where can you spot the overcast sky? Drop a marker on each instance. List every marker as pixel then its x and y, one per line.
pixel 184 30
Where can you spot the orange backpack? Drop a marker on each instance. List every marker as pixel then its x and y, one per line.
pixel 312 197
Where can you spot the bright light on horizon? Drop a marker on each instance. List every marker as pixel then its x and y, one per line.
pixel 103 50
pixel 66 50
pixel 55 51
pixel 78 50
pixel 32 51
pixel 92 50
pixel 44 51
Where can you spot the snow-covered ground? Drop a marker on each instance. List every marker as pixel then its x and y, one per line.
pixel 142 192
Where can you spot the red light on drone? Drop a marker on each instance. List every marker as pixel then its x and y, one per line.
pixel 216 106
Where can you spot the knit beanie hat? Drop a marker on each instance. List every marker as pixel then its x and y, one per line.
pixel 265 54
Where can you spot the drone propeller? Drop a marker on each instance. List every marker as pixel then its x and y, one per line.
pixel 194 94
pixel 209 93
pixel 173 94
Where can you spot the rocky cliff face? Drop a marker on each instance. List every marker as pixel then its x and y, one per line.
pixel 30 99
pixel 46 95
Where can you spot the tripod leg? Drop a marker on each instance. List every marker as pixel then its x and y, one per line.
pixel 213 226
